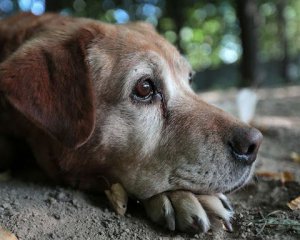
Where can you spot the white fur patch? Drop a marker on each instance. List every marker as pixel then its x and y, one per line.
pixel 115 131
pixel 149 128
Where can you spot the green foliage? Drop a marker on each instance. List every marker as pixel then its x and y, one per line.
pixel 207 32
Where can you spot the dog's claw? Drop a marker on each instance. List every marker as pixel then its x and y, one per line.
pixel 118 198
pixel 170 223
pixel 227 226
pixel 170 219
pixel 188 212
pixel 198 224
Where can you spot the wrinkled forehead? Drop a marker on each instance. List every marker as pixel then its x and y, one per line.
pixel 152 47
pixel 134 55
pixel 158 63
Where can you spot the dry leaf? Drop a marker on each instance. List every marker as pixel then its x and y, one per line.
pixel 295 157
pixel 6 235
pixel 294 204
pixel 284 177
pixel 272 175
pixel 118 198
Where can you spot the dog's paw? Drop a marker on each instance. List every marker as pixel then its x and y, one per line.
pixel 188 212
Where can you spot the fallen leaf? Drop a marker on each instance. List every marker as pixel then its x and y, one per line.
pixel 294 204
pixel 284 177
pixel 272 175
pixel 295 157
pixel 118 198
pixel 6 235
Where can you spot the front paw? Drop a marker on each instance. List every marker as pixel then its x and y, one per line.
pixel 187 212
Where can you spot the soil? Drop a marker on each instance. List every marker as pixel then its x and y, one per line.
pixel 33 208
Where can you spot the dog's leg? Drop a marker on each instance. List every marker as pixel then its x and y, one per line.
pixel 188 212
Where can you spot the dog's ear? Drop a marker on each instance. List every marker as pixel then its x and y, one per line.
pixel 48 81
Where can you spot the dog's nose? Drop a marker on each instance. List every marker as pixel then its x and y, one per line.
pixel 245 144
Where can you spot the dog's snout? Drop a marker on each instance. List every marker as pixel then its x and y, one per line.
pixel 245 144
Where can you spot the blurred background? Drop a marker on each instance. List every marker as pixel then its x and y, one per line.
pixel 246 54
pixel 228 42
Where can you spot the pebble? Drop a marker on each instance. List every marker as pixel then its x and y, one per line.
pixel 62 197
pixel 56 216
pixel 6 205
pixel 243 235
pixel 51 200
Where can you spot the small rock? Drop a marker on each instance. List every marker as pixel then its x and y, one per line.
pixel 6 205
pixel 56 216
pixel 104 224
pixel 51 236
pixel 51 200
pixel 62 197
pixel 75 203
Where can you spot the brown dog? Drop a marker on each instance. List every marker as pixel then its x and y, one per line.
pixel 100 104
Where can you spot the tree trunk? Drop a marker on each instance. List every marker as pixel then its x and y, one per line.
pixel 283 41
pixel 174 10
pixel 56 6
pixel 248 18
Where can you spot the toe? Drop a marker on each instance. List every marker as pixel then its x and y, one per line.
pixel 160 210
pixel 218 208
pixel 190 215
pixel 225 202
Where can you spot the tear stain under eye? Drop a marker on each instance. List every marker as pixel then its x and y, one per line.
pixel 164 106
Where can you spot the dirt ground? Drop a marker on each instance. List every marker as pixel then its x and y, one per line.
pixel 32 208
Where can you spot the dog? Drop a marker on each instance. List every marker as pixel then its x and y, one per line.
pixel 100 104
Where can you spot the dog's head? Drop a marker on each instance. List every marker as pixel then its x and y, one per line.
pixel 122 94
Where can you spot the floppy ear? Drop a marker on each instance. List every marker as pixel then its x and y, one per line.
pixel 48 81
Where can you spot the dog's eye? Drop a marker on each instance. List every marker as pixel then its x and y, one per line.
pixel 144 89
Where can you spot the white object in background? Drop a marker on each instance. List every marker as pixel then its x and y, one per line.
pixel 246 101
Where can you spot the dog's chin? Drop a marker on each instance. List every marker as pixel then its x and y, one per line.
pixel 241 182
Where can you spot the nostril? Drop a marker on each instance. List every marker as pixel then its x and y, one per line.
pixel 236 148
pixel 251 149
pixel 245 144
